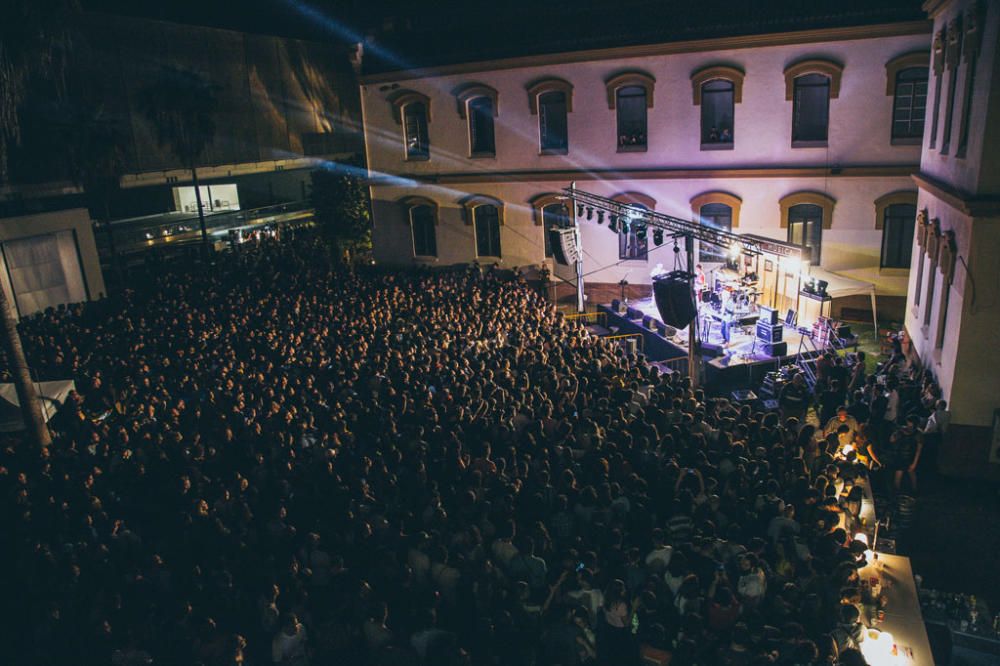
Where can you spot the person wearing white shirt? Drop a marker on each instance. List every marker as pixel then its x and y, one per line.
pixel 934 431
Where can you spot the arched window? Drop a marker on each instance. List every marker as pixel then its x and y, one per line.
pixel 805 229
pixel 486 218
pixel 631 109
pixel 909 104
pixel 481 134
pixel 415 131
pixel 717 106
pixel 551 100
pixel 716 216
pixel 897 234
pixel 554 216
pixel 422 223
pixel 811 109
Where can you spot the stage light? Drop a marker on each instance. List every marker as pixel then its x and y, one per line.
pixel 640 232
pixel 600 217
pixel 579 210
pixel 613 223
pixel 735 250
pixel 658 236
pixel 590 213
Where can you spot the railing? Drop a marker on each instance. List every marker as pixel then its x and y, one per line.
pixel 623 336
pixel 179 228
pixel 679 365
pixel 600 318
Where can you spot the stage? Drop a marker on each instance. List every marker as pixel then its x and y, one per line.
pixel 740 363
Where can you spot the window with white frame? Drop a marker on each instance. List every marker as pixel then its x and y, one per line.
pixel 422 222
pixel 487 226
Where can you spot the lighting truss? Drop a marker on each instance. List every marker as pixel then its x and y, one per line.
pixel 674 226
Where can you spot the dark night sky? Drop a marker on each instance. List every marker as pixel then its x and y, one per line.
pixel 441 31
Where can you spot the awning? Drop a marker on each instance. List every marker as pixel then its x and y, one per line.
pixel 839 286
pixel 52 394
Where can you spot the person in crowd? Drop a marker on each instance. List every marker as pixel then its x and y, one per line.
pixel 276 459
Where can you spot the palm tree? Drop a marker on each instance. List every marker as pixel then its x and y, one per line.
pixel 181 104
pixel 95 144
pixel 35 41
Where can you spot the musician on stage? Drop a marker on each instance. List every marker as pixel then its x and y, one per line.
pixel 699 279
pixel 728 314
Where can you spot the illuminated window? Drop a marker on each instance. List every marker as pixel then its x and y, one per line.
pixel 415 129
pixel 717 104
pixel 631 105
pixel 716 216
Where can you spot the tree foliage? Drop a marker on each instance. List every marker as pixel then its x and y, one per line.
pixel 342 207
pixel 36 37
pixel 181 105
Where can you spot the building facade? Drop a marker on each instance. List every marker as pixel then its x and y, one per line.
pixel 953 304
pixel 809 136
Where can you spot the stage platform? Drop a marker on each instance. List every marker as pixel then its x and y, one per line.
pixel 740 363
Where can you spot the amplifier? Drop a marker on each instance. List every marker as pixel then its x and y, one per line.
pixel 843 331
pixel 769 333
pixel 776 348
pixel 768 315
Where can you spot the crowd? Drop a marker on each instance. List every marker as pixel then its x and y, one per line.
pixel 893 419
pixel 277 461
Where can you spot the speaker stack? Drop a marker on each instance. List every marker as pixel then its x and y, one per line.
pixel 770 331
pixel 674 300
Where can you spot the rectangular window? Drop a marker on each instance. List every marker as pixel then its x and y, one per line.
pixel 897 235
pixel 631 102
pixel 811 109
pixel 805 229
pixel 481 137
pixel 487 219
pixel 553 133
pixel 415 127
pixel 970 84
pixel 909 104
pixel 424 236
pixel 717 104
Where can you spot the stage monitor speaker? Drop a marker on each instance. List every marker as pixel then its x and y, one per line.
pixel 769 333
pixel 563 244
pixel 674 301
pixel 768 315
pixel 790 318
pixel 776 348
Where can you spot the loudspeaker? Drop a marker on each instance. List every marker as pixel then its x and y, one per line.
pixel 768 315
pixel 563 244
pixel 776 348
pixel 674 301
pixel 769 333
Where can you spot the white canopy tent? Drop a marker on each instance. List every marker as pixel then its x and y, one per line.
pixel 52 394
pixel 839 286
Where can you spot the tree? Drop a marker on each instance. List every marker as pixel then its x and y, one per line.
pixel 342 208
pixel 181 104
pixel 95 144
pixel 36 38
pixel 35 42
